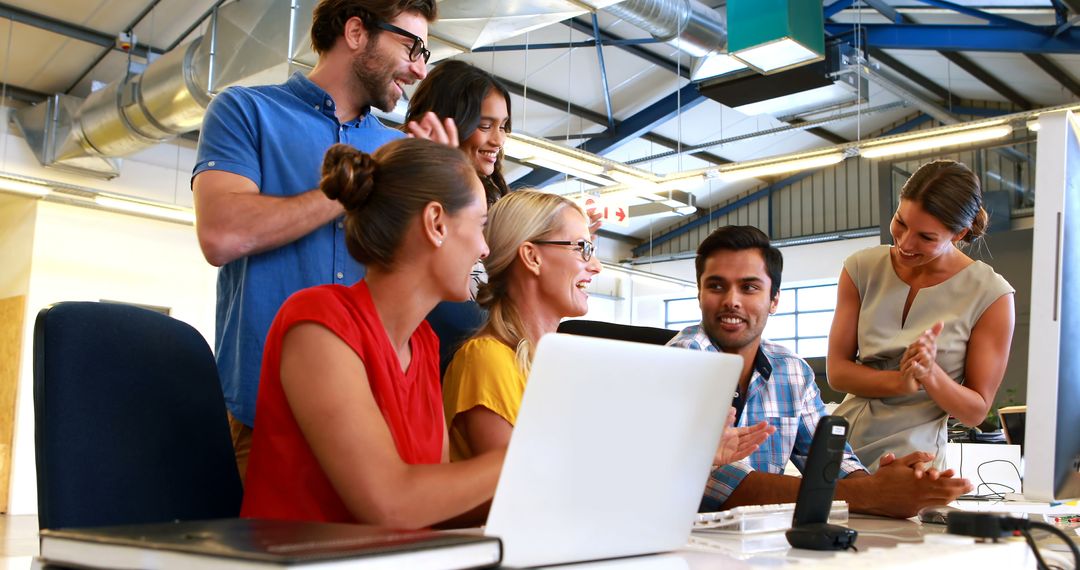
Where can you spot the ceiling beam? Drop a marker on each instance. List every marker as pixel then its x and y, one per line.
pixel 73 31
pixel 592 116
pixel 910 74
pixel 647 119
pixel 636 126
pixel 764 192
pixel 649 56
pixel 886 10
pixel 989 80
pixel 209 11
pixel 1058 74
pixel 106 51
pixel 994 19
pixel 837 7
pixel 1034 39
pixel 22 94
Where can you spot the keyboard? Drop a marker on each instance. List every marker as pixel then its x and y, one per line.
pixel 759 518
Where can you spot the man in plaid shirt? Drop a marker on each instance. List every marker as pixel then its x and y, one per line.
pixel 738 274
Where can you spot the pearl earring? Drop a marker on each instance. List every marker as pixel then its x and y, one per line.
pixel 438 243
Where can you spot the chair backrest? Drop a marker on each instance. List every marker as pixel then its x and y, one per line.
pixel 130 423
pixel 601 329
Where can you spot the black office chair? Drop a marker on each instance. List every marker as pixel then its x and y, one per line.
pixel 601 329
pixel 130 422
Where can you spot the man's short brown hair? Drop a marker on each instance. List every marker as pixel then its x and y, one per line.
pixel 329 17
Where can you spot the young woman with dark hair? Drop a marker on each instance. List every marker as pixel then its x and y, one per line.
pixel 479 107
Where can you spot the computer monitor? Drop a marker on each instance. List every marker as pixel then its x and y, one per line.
pixel 1052 442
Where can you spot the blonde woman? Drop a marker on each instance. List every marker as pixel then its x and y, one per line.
pixel 540 264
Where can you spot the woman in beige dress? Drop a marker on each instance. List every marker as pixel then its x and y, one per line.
pixel 921 331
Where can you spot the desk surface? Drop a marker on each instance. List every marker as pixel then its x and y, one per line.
pixel 883 544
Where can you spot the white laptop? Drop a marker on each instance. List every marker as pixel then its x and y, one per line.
pixel 611 450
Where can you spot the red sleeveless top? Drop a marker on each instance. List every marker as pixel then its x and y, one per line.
pixel 284 479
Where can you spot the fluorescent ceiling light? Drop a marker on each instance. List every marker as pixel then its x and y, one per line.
pixel 920 143
pixel 528 150
pixel 24 188
pixel 781 166
pixel 567 166
pixel 715 64
pixel 777 55
pixel 146 209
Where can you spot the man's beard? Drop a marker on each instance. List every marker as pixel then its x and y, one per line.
pixel 375 75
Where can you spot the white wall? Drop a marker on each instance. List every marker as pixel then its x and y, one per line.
pixel 17 234
pixel 81 254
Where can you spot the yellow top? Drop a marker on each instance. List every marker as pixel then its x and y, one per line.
pixel 482 373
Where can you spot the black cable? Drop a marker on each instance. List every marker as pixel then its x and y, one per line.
pixel 1040 564
pixel 1060 534
pixel 998 525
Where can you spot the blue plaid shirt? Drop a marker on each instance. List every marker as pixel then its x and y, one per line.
pixel 782 393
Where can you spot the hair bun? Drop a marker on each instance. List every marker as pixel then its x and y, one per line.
pixel 978 226
pixel 348 176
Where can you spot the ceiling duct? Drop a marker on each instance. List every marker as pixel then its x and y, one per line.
pixel 254 42
pixel 246 43
pixel 688 25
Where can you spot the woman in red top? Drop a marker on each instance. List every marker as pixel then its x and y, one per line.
pixel 350 424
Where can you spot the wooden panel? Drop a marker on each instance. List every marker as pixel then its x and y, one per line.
pixel 12 311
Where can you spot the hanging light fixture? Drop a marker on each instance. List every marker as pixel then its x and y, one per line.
pixel 24 188
pixel 772 167
pixel 919 142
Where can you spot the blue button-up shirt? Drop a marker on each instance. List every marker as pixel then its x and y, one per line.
pixel 275 136
pixel 784 395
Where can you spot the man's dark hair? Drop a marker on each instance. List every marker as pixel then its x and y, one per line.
pixel 738 238
pixel 328 19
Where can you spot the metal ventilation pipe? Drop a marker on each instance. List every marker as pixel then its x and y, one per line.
pixel 687 25
pixel 251 42
pixel 166 100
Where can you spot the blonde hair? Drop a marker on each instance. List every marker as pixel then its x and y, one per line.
pixel 521 216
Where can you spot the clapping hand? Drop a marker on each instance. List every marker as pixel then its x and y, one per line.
pixel 739 442
pixel 595 219
pixel 917 364
pixel 431 128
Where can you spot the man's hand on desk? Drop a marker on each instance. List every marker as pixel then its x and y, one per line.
pixel 901 487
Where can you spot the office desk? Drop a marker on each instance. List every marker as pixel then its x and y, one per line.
pixel 883 544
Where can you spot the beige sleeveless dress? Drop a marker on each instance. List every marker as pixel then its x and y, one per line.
pixel 903 424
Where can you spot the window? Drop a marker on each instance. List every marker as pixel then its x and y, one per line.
pixel 681 313
pixel 802 320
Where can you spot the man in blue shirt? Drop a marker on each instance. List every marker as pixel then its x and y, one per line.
pixel 260 215
pixel 738 274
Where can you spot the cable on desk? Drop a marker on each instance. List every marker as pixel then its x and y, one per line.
pixel 992 494
pixel 1053 530
pixel 998 525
